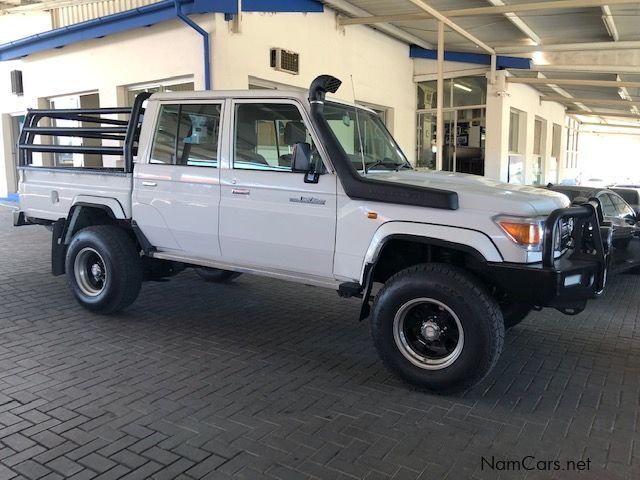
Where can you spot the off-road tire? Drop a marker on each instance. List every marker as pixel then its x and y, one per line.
pixel 216 275
pixel 121 258
pixel 478 313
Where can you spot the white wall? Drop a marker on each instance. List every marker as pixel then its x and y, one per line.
pixel 13 27
pixel 381 68
pixel 501 98
pixel 22 25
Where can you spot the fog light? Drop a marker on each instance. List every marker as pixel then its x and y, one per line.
pixel 572 280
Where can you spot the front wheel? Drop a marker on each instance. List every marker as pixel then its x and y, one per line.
pixel 104 268
pixel 437 328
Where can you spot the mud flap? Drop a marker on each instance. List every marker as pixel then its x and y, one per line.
pixel 365 309
pixel 58 248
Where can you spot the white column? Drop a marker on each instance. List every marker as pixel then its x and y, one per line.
pixel 440 98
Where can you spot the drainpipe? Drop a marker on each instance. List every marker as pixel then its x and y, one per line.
pixel 205 38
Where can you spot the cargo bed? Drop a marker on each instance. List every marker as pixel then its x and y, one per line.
pixel 49 193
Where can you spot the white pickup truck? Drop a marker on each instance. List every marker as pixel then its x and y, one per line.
pixel 311 191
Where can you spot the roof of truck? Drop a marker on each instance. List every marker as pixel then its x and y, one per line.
pixel 205 94
pixel 301 95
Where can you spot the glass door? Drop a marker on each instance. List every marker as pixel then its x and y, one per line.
pixel 464 140
pixel 470 140
pixel 426 141
pixel 450 142
pixel 426 145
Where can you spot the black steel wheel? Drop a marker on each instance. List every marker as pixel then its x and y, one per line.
pixel 103 267
pixel 437 327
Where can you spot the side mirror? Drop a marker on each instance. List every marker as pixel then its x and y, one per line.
pixel 301 158
pixel 302 162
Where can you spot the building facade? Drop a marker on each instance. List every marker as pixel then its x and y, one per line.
pixel 502 132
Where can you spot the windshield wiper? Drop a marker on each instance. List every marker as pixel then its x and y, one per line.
pixel 386 161
pixel 372 165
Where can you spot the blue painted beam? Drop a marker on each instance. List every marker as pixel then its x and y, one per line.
pixel 304 6
pixel 502 62
pixel 142 17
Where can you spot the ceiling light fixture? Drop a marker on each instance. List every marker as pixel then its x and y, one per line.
pixel 462 87
pixel 538 58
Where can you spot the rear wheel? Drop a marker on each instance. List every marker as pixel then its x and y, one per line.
pixel 103 268
pixel 436 327
pixel 216 275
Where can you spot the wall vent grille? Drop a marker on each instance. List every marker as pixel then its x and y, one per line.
pixel 285 61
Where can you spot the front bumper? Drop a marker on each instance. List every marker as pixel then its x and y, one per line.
pixel 566 286
pixel 567 282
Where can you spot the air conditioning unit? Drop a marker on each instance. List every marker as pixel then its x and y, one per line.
pixel 16 82
pixel 285 61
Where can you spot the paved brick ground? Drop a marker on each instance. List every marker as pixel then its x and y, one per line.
pixel 264 379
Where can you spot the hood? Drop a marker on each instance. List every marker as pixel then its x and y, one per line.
pixel 481 193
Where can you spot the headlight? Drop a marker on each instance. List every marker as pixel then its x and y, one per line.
pixel 526 232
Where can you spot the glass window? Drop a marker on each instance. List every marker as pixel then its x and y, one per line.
pixel 457 92
pixel 72 101
pixel 187 135
pixel 571 153
pixel 624 210
pixel 514 131
pixel 557 141
pixel 537 136
pixel 469 91
pixel 608 208
pixel 176 87
pixel 364 138
pixel 266 134
pixel 629 196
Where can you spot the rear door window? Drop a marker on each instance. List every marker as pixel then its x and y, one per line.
pixel 187 135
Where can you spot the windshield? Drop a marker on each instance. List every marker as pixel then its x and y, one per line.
pixel 364 135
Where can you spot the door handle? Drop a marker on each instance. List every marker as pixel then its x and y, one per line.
pixel 150 184
pixel 240 191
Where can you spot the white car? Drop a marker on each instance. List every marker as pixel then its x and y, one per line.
pixel 316 192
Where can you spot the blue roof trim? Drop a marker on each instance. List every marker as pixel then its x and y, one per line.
pixel 143 17
pixel 303 6
pixel 476 58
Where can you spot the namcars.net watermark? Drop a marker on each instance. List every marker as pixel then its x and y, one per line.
pixel 530 463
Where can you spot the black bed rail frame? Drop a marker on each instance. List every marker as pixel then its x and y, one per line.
pixel 125 131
